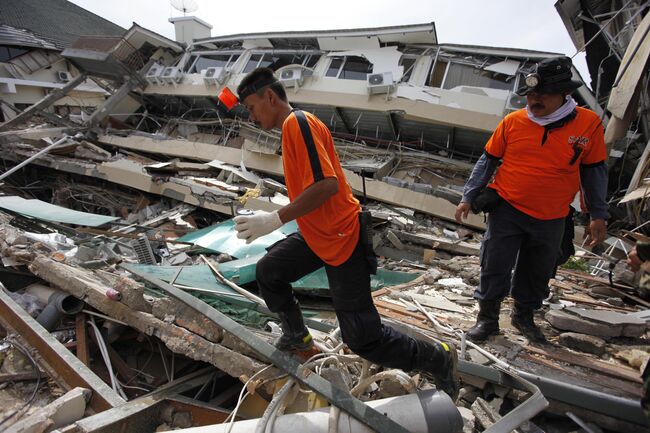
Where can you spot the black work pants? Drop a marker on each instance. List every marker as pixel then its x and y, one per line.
pixel 361 329
pixel 529 245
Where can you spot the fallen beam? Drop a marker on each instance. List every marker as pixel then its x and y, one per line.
pixel 85 285
pixel 48 100
pixel 61 364
pixel 336 396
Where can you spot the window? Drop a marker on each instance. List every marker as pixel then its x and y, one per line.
pixel 349 68
pixel 311 61
pixel 335 65
pixel 409 65
pixel 438 73
pixel 214 60
pixel 279 60
pixel 469 75
pixel 252 63
pixel 356 68
pixel 8 53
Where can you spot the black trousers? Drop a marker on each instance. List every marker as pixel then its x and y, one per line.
pixel 529 245
pixel 361 329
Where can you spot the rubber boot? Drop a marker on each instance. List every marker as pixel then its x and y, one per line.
pixel 487 321
pixel 522 319
pixel 295 336
pixel 440 362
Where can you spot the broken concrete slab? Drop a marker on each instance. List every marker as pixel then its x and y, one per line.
pixel 632 326
pixel 63 411
pixel 583 343
pixel 566 321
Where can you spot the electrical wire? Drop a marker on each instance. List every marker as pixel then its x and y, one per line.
pixel 32 397
pixel 242 395
pixel 107 360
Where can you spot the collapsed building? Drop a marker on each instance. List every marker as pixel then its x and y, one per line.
pixel 118 243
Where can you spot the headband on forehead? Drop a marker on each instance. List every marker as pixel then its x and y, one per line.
pixel 256 87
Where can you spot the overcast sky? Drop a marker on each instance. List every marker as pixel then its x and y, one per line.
pixel 530 24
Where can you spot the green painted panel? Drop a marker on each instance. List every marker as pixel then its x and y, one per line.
pixel 222 238
pixel 201 277
pixel 49 212
pixel 316 283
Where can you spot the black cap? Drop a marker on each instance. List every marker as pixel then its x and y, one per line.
pixel 551 76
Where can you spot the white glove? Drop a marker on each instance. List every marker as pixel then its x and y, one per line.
pixel 259 224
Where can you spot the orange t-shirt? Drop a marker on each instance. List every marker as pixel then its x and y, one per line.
pixel 539 179
pixel 308 155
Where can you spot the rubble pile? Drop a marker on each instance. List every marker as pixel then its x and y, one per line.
pixel 127 302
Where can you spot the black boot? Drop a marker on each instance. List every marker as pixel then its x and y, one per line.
pixel 487 321
pixel 295 335
pixel 440 361
pixel 522 319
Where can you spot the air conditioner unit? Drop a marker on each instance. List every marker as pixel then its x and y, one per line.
pixel 63 76
pixel 171 75
pixel 153 74
pixel 380 83
pixel 292 77
pixel 515 102
pixel 214 75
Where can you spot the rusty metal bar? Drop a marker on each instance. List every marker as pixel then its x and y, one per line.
pixel 61 364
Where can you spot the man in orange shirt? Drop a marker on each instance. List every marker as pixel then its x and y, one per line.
pixel 330 235
pixel 549 151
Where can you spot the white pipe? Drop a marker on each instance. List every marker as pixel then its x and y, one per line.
pixel 428 411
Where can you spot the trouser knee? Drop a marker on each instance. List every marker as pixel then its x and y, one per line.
pixel 360 330
pixel 274 288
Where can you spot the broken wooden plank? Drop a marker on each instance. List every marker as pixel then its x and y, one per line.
pixel 83 350
pixel 618 371
pixel 19 377
pixel 606 381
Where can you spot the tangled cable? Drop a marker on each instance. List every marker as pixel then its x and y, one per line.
pixel 31 399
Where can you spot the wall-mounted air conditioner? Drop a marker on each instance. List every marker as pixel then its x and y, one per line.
pixel 214 75
pixel 171 75
pixel 153 74
pixel 63 76
pixel 515 102
pixel 292 77
pixel 380 83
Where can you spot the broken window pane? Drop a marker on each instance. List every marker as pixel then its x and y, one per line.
pixel 469 75
pixel 409 65
pixel 280 60
pixel 312 60
pixel 438 73
pixel 355 68
pixel 335 65
pixel 252 62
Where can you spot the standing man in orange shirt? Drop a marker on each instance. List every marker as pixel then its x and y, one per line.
pixel 330 235
pixel 549 151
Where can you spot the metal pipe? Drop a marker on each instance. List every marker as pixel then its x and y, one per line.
pixel 428 411
pixel 58 304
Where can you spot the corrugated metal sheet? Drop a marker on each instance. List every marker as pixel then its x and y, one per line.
pixel 22 38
